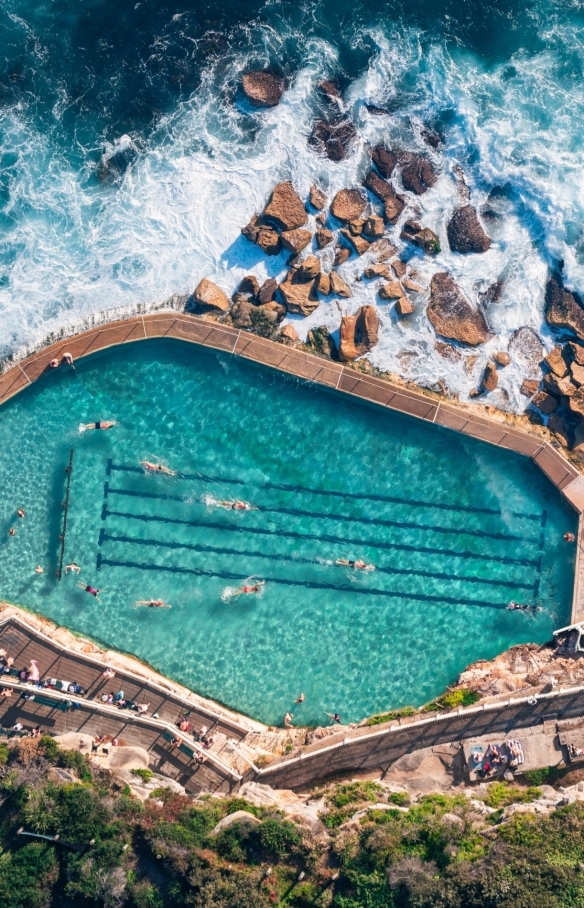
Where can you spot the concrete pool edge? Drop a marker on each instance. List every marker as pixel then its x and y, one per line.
pixel 347 379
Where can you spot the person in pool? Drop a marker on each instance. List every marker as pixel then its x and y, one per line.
pixel 91 590
pixel 157 468
pixel 252 588
pixel 358 565
pixel 519 607
pixel 153 603
pixel 236 505
pixel 100 424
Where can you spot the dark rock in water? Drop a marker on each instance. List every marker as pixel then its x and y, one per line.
pixel 431 136
pixel 320 341
pixel 384 160
pixel 296 240
pixel 208 296
pixel 334 140
pixel 560 387
pixel 267 290
pixel 348 204
pixel 576 352
pixel 317 198
pixel 374 227
pixel 452 314
pixel 492 294
pixel 251 230
pixel 490 378
pixel 563 309
pixel 359 333
pixel 285 208
pixel 416 172
pixel 268 239
pixel 421 236
pixel 394 203
pixel 465 233
pixel 262 88
pixel 248 286
pixel 324 238
pixel 376 111
pixel 330 89
pixel 113 165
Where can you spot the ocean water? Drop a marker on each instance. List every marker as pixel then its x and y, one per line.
pixel 146 94
pixel 455 529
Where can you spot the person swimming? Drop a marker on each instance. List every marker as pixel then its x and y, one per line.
pixel 157 468
pixel 90 589
pixel 358 565
pixel 153 603
pixel 252 588
pixel 519 607
pixel 100 424
pixel 73 567
pixel 236 505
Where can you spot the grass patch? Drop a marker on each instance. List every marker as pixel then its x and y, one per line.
pixel 452 700
pixel 392 716
pixel 501 794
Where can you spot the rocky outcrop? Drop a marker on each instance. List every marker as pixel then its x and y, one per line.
pixel 208 296
pixel 465 232
pixel 341 255
pixel 421 236
pixel 563 309
pixel 358 242
pixel 394 203
pixel 558 425
pixel 320 341
pixel 245 314
pixel 334 140
pixel 391 291
pixel 285 208
pixel 490 378
pixel 404 306
pixel 299 295
pixel 339 287
pixel 529 387
pixel 348 204
pixel 268 240
pixel 379 270
pixel 267 290
pixel 288 333
pixel 416 172
pixel 309 269
pixel 359 333
pixel 374 228
pixel 323 283
pixel 558 361
pixel 384 160
pixel 296 240
pixel 262 88
pixel 248 287
pixel 452 315
pixel 317 198
pixel 323 237
pixel 545 402
pixel 330 89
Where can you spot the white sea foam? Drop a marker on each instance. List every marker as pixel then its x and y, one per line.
pixel 75 246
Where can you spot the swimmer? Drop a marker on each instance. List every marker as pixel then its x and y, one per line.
pixel 300 699
pixel 518 607
pixel 288 720
pixel 157 468
pixel 12 531
pixel 67 359
pixel 358 565
pixel 100 424
pixel 20 512
pixel 39 570
pixel 252 588
pixel 236 505
pixel 153 603
pixel 569 537
pixel 90 589
pixel 334 717
pixel 74 568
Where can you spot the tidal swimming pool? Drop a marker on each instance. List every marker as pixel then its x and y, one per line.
pixel 455 528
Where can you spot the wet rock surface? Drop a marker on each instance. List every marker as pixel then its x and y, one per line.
pixel 452 314
pixel 563 309
pixel 285 209
pixel 465 232
pixel 423 237
pixel 262 88
pixel 359 333
pixel 208 296
pixel 416 172
pixel 384 159
pixel 334 140
pixel 348 204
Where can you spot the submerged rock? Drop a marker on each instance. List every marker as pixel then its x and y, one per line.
pixel 421 236
pixel 359 333
pixel 384 160
pixel 394 203
pixel 465 232
pixel 334 140
pixel 452 315
pixel 348 204
pixel 208 295
pixel 262 88
pixel 563 309
pixel 285 208
pixel 416 172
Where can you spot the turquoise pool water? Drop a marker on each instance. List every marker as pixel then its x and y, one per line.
pixel 455 528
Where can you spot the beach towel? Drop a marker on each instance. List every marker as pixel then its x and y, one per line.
pixel 516 753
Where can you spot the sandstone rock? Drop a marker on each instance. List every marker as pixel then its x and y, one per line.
pixel 285 208
pixel 299 296
pixel 251 230
pixel 359 333
pixel 356 226
pixel 421 236
pixel 267 290
pixel 577 374
pixel 268 239
pixel 411 285
pixel 338 286
pixel 545 402
pixel 529 387
pixel 465 233
pixel 384 160
pixel 289 334
pixel 334 140
pixel 578 442
pixel 404 307
pixel 576 352
pixel 330 89
pixel 209 296
pixel 324 238
pixel 374 227
pixel 296 240
pixel 452 314
pixel 577 402
pixel 502 358
pixel 558 362
pixel 248 286
pixel 272 311
pixel 562 308
pixel 317 198
pixel 399 268
pixel 448 351
pixel 382 250
pixel 262 88
pixel 309 269
pixel 561 387
pixel 359 243
pixel 341 255
pixel 379 270
pixel 490 378
pixel 323 284
pixel 394 203
pixel 560 429
pixel 391 291
pixel 417 173
pixel 348 204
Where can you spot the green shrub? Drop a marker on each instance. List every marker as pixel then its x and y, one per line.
pixel 4 755
pixel 277 836
pixel 501 794
pixel 26 879
pixel 353 793
pixel 73 759
pixel 392 716
pixel 453 699
pixel 400 798
pixel 539 776
pixel 145 774
pixel 49 747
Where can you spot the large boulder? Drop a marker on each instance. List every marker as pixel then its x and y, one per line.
pixel 384 160
pixel 452 315
pixel 299 295
pixel 266 291
pixel 323 237
pixel 563 309
pixel 317 198
pixel 374 227
pixel 334 140
pixel 348 204
pixel 248 287
pixel 268 240
pixel 359 333
pixel 358 242
pixel 338 286
pixel 309 269
pixel 394 203
pixel 391 291
pixel 421 236
pixel 285 208
pixel 209 296
pixel 490 377
pixel 262 88
pixel 465 232
pixel 296 240
pixel 262 319
pixel 416 172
